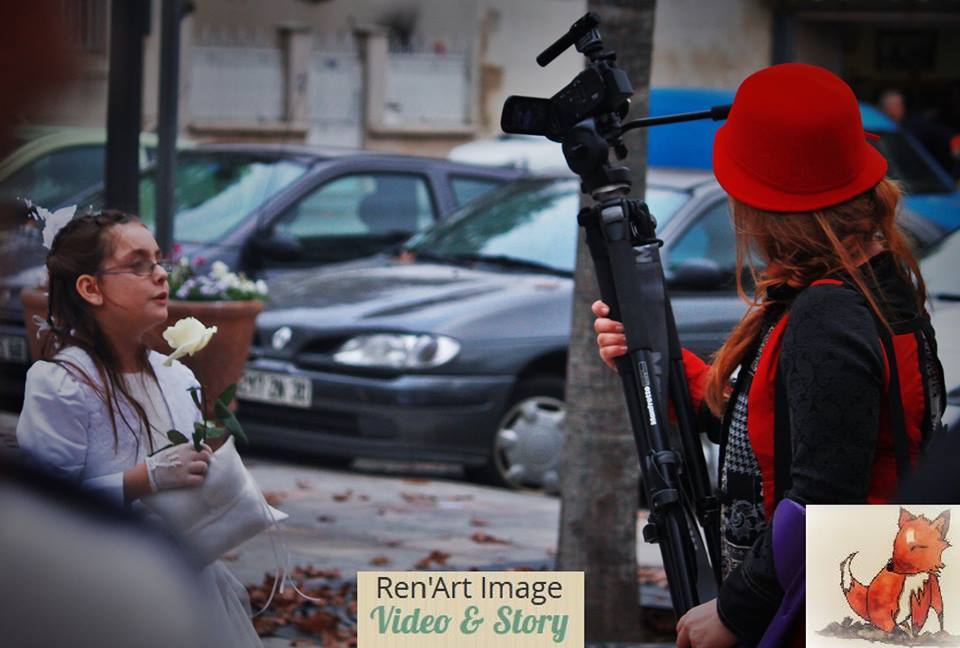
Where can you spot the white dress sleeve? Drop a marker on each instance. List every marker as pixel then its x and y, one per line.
pixel 54 424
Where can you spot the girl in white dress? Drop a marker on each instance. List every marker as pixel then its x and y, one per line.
pixel 98 405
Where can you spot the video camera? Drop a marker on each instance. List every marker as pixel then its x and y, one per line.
pixel 586 116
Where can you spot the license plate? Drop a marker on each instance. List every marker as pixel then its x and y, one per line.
pixel 13 348
pixel 276 389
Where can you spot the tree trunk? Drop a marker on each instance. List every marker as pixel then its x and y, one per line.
pixel 598 520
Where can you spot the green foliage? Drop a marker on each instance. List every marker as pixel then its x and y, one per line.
pixel 228 394
pixel 176 438
pixel 223 420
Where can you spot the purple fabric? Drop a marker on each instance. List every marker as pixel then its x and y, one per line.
pixel 789 555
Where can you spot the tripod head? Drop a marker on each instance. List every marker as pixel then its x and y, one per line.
pixel 586 116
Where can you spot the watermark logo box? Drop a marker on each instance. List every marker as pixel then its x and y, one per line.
pixel 882 575
pixel 523 609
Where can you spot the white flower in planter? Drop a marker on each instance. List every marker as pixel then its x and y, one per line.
pixel 219 270
pixel 186 337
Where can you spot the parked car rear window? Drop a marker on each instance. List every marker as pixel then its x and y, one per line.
pixel 530 221
pixel 362 204
pixel 467 189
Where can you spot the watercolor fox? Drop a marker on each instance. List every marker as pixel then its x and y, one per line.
pixel 901 595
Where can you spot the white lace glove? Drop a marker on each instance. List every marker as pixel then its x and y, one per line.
pixel 177 467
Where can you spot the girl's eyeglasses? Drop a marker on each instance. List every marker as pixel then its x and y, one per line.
pixel 142 268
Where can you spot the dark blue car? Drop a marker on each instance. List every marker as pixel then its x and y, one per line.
pixel 267 209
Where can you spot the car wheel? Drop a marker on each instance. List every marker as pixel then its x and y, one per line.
pixel 527 443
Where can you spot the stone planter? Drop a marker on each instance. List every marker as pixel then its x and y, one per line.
pixel 216 366
pixel 222 361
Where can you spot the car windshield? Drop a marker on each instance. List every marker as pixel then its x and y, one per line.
pixel 941 267
pixel 531 223
pixel 56 176
pixel 214 192
pixel 906 165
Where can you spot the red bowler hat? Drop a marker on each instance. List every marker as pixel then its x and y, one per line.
pixel 794 142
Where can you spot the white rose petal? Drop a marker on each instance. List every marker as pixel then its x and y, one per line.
pixel 186 337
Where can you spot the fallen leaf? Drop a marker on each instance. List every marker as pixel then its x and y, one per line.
pixel 378 561
pixel 274 498
pixel 330 619
pixel 393 543
pixel 320 622
pixel 344 496
pixel 485 538
pixel 313 572
pixel 303 484
pixel 435 557
pixel 478 522
pixel 265 625
pixel 230 557
pixel 326 518
pixel 419 499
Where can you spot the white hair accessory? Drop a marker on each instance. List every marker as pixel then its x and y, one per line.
pixel 53 222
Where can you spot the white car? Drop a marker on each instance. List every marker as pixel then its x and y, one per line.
pixel 941 271
pixel 529 152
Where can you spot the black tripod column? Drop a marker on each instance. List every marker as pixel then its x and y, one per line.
pixel 619 233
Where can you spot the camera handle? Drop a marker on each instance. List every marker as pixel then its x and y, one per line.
pixel 626 254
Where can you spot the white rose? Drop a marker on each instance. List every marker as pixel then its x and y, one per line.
pixel 219 270
pixel 261 286
pixel 187 336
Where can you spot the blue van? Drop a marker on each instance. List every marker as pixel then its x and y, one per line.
pixel 930 192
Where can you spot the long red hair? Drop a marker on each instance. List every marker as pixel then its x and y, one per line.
pixel 796 249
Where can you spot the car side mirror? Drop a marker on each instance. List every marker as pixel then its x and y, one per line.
pixel 699 274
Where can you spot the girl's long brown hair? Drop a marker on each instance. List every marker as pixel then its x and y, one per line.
pixel 80 248
pixel 800 248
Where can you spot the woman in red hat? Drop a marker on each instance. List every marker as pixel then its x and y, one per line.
pixel 835 353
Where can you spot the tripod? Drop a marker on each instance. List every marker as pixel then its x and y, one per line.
pixel 625 251
pixel 586 117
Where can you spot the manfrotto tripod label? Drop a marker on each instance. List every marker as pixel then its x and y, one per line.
pixel 647 386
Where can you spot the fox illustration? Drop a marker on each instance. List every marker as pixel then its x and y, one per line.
pixel 902 593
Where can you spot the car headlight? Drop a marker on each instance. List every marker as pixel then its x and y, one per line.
pixel 397 351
